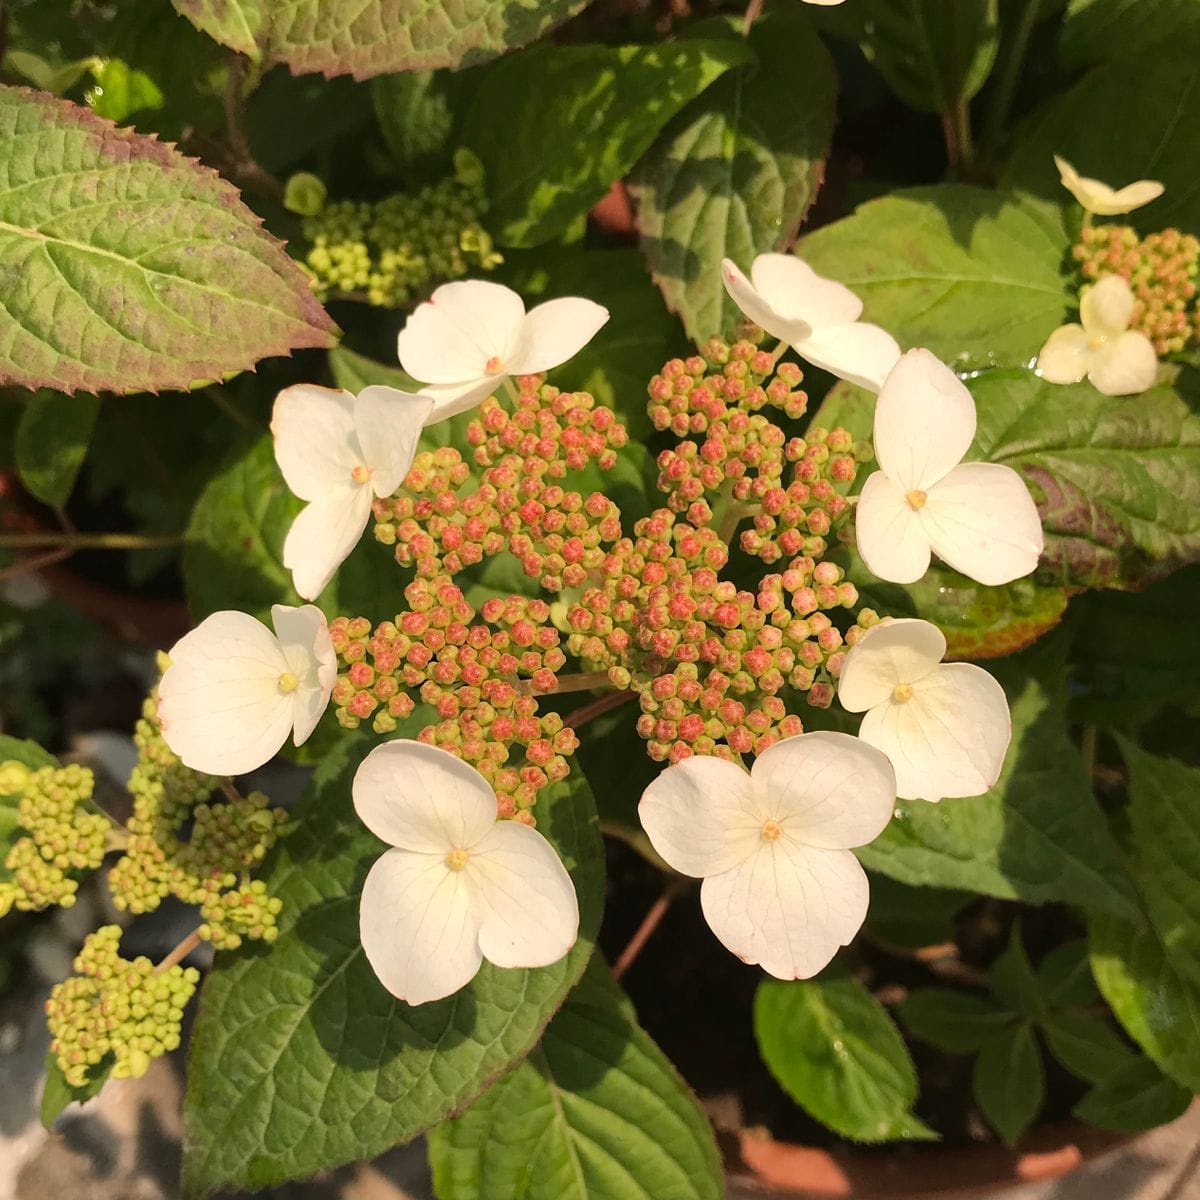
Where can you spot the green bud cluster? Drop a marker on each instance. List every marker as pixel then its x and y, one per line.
pixel 64 839
pixel 209 869
pixel 1161 270
pixel 394 249
pixel 117 1008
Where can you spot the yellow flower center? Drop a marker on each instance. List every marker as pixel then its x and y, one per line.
pixel 360 474
pixel 916 498
pixel 1096 341
pixel 902 693
pixel 772 831
pixel 288 682
pixel 457 859
pixel 494 365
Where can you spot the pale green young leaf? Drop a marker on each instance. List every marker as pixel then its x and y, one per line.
pixel 834 1050
pixel 1009 1082
pixel 596 1112
pixel 52 442
pixel 302 1061
pixel 123 255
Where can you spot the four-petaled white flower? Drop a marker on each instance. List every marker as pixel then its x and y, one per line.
pixel 458 886
pixel 339 451
pixel 944 726
pixel 1117 360
pixel 817 317
pixel 234 690
pixel 979 518
pixel 1097 197
pixel 470 336
pixel 781 886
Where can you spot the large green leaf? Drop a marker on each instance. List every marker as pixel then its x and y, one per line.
pixel 976 276
pixel 301 1060
pixel 52 441
pixel 933 54
pixel 1038 835
pixel 1136 1097
pixel 956 1021
pixel 1117 480
pixel 1158 1004
pixel 374 37
pixel 555 125
pixel 1009 1081
pixel 596 1112
pixel 128 267
pixel 1134 117
pixel 836 1052
pixel 1095 30
pixel 735 173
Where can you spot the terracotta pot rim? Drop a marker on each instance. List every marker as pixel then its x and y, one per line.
pixel 765 1167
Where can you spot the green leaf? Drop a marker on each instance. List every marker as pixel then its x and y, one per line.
pixel 555 125
pixel 734 174
pixel 1164 811
pixel 912 916
pixel 1156 1003
pixel 415 115
pixel 836 1052
pixel 596 1112
pixel 121 90
pixel 1038 835
pixel 1095 30
pixel 1064 976
pixel 956 1021
pixel 57 1093
pixel 1085 1045
pixel 1117 481
pixel 373 37
pixel 1009 1082
pixel 128 266
pixel 934 55
pixel 974 275
pixel 52 441
pixel 301 1060
pixel 1138 1096
pixel 1103 135
pixel 1012 979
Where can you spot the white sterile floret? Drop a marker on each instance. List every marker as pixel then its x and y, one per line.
pixel 1097 197
pixel 458 886
pixel 339 451
pixel 235 690
pixel 817 317
pixel 944 726
pixel 781 886
pixel 470 336
pixel 978 518
pixel 1116 360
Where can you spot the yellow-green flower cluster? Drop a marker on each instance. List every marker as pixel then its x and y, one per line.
pixel 1161 270
pixel 211 868
pixel 395 249
pixel 117 1008
pixel 63 838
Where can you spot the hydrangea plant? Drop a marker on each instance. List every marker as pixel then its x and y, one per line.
pixel 813 575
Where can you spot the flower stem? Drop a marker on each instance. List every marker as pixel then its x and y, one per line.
pixel 753 12
pixel 585 681
pixel 510 389
pixel 245 168
pixel 231 793
pixel 650 923
pixel 960 145
pixel 589 712
pixel 180 952
pixel 1010 73
pixel 91 541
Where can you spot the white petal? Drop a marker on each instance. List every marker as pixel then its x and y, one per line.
pixel 787 328
pixel 1107 307
pixel 220 703
pixel 322 536
pixel 860 353
pixel 924 421
pixel 886 656
pixel 702 816
pixel 453 335
pixel 554 332
pixel 949 739
pixel 304 638
pixel 825 789
pixel 982 521
pixel 1094 195
pixel 787 907
pixel 1066 356
pixel 450 399
pixel 890 536
pixel 389 422
pixel 1134 195
pixel 790 286
pixel 1124 366
pixel 418 926
pixel 315 446
pixel 423 798
pixel 528 914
